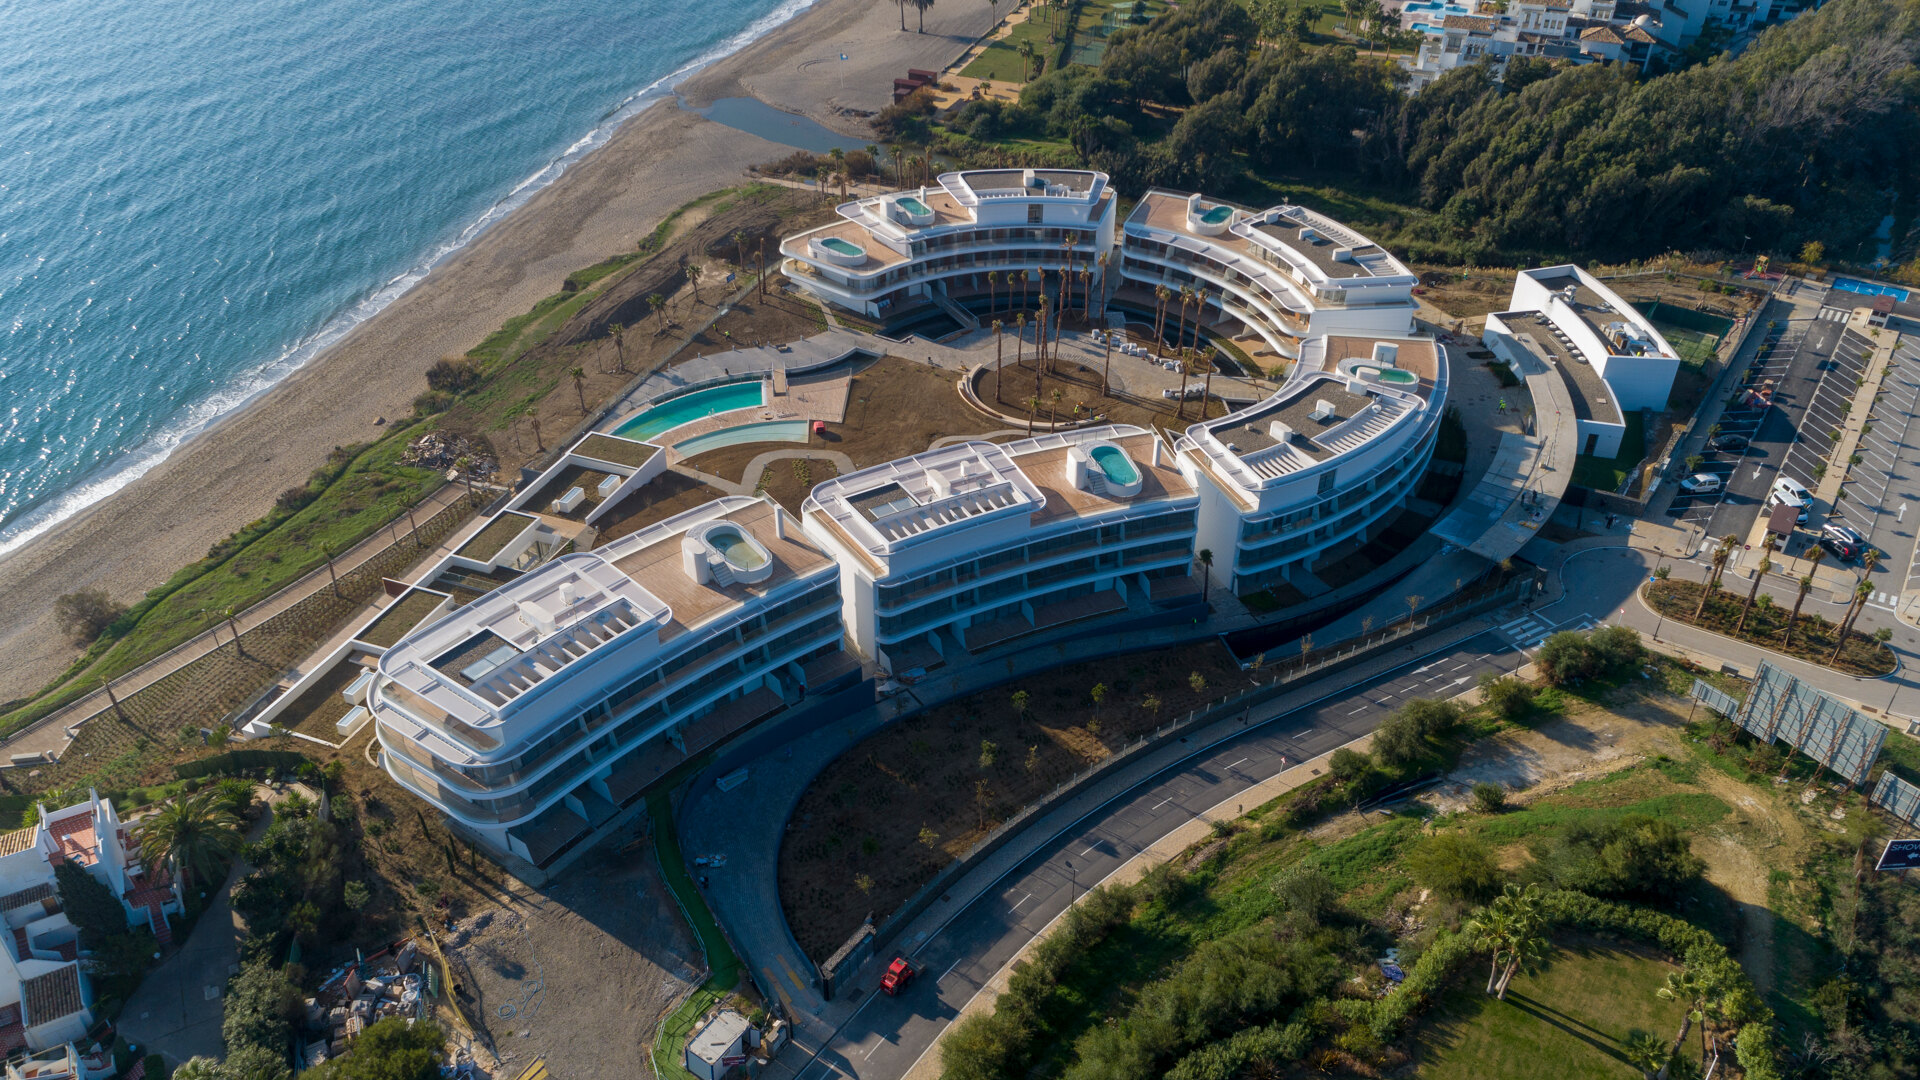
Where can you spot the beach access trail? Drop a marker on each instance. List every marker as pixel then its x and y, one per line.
pixel 603 205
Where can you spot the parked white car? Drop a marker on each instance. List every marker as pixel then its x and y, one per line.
pixel 1704 483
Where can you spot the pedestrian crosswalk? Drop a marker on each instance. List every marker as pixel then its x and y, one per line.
pixel 1884 599
pixel 1833 314
pixel 1530 631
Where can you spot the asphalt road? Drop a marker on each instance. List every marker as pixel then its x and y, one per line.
pixel 887 1035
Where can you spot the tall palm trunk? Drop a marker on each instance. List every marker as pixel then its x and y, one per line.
pixel 1160 322
pixel 1806 586
pixel 1686 1025
pixel 1182 410
pixel 1759 573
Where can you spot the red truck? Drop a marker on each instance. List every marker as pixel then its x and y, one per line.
pixel 899 974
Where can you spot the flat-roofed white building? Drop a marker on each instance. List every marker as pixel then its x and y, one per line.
pixel 895 251
pixel 971 546
pixel 539 711
pixel 1311 470
pixel 1615 362
pixel 1287 273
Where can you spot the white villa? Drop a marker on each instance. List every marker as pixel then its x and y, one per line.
pixel 1285 273
pixel 905 248
pixel 971 546
pixel 1314 469
pixel 1613 359
pixel 46 1001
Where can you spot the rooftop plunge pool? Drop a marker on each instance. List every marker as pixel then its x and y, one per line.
pixel 1113 461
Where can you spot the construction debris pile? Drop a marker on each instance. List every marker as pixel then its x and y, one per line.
pixel 442 450
pixel 390 983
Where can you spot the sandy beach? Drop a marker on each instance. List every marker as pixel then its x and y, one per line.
pixel 228 476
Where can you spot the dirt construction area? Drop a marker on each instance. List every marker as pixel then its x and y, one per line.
pixel 577 974
pixel 1587 743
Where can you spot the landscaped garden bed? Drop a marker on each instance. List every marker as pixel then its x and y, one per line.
pixel 1813 636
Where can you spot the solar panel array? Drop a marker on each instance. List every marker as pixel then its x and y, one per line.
pixel 1781 707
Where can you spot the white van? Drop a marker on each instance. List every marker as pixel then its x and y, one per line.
pixel 1787 491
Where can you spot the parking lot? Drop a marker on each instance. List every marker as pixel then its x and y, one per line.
pixel 1815 368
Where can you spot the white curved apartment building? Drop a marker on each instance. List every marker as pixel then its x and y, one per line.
pixel 536 713
pixel 1314 468
pixel 1287 273
pixel 894 251
pixel 974 545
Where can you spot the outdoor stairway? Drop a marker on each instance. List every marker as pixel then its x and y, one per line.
pixel 959 314
pixel 722 572
pixel 20 942
pixel 162 933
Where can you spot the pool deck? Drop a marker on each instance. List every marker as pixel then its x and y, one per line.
pixel 821 396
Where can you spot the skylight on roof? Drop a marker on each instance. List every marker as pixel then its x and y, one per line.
pixel 477 670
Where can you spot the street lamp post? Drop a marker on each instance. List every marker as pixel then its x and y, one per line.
pixel 1074 876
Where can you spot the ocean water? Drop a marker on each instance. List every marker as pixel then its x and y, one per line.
pixel 195 198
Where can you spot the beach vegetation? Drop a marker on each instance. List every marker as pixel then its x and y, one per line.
pixel 86 614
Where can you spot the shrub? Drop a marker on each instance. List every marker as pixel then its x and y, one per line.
pixel 1637 855
pixel 1455 866
pixel 453 374
pixel 1349 764
pixel 295 498
pixel 261 1003
pixel 1571 657
pixel 1305 890
pixel 1509 697
pixel 1489 797
pixel 393 1049
pixel 86 614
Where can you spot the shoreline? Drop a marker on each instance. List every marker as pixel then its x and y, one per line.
pixel 229 473
pixel 138 460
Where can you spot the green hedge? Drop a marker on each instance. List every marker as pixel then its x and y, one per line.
pixel 237 761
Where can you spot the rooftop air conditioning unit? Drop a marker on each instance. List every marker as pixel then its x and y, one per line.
pixel 1343 254
pixel 1323 411
pixel 1280 432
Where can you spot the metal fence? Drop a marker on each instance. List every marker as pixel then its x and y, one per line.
pixel 1716 699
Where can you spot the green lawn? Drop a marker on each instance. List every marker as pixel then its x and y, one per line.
pixel 1575 1014
pixel 1607 474
pixel 1001 60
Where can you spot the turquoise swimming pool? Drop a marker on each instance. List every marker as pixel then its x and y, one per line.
pixel 1216 215
pixel 1115 464
pixel 840 247
pixel 1393 375
pixel 734 548
pixel 765 431
pixel 914 206
pixel 689 407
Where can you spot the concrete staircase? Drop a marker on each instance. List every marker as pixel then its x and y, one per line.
pixel 938 291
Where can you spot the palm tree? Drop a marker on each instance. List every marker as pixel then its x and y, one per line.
pixel 659 305
pixel 1647 1052
pixel 1086 292
pixel 1861 594
pixel 197 834
pixel 1106 365
pixel 921 6
pixel 1759 572
pixel 1040 340
pixel 579 377
pixel 1200 298
pixel 1162 294
pixel 1185 369
pixel 740 238
pixel 894 149
pixel 1019 338
pixel 619 332
pixel 1206 392
pixel 1026 61
pixel 1692 992
pixel 1024 278
pixel 1806 586
pixel 993 278
pixel 1720 556
pixel 1033 410
pixel 1101 262
pixel 999 353
pixel 693 273
pixel 903 14
pixel 1206 572
pixel 1513 931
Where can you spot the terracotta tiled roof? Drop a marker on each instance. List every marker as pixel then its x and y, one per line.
pixel 1635 33
pixel 1604 34
pixel 28 895
pixel 53 995
pixel 16 841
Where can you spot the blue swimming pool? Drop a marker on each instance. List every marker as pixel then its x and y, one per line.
pixel 1868 288
pixel 689 407
pixel 1115 464
pixel 765 431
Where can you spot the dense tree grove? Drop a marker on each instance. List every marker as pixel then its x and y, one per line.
pixel 1804 135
